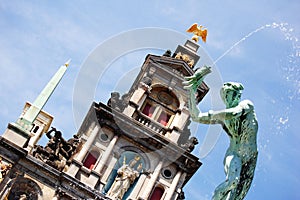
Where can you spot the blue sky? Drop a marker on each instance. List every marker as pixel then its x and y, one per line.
pixel 37 37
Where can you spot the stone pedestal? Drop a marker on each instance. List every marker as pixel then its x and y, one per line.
pixel 16 135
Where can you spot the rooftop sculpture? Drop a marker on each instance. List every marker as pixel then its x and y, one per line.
pixel 198 32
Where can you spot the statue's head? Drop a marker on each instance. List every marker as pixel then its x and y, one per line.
pixel 231 93
pixel 58 134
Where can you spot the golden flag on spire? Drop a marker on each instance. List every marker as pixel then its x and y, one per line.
pixel 198 32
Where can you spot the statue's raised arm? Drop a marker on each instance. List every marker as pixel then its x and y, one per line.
pixel 239 121
pixel 192 83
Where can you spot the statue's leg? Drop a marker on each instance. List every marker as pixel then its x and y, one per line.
pixel 226 190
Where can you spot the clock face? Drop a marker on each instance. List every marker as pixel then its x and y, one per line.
pixel 165 97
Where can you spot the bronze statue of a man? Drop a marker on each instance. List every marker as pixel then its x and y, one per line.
pixel 239 122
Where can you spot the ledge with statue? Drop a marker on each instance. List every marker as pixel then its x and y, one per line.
pixel 58 152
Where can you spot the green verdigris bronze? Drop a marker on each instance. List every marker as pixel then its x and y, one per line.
pixel 239 122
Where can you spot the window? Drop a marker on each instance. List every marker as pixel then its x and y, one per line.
pixel 90 159
pixel 34 128
pixel 148 110
pixel 161 105
pixel 24 187
pixel 157 112
pixel 167 173
pixel 157 193
pixel 164 118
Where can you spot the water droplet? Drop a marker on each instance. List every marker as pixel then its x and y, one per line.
pixel 283 121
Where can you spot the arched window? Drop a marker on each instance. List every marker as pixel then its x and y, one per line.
pixel 161 105
pixel 90 159
pixel 25 188
pixel 157 193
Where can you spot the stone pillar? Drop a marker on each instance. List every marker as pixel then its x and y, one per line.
pixel 173 186
pixel 88 144
pixel 94 177
pixel 106 155
pixel 109 169
pixel 152 181
pixel 180 119
pixel 138 186
pixel 72 171
pixel 136 99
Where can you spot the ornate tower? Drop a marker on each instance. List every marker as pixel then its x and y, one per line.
pixel 136 146
pixel 143 133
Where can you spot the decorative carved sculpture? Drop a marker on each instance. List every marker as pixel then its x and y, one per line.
pixel 4 168
pixel 190 144
pixel 58 194
pixel 58 162
pixel 185 58
pixel 181 196
pixel 147 80
pixel 124 100
pixel 71 146
pixel 126 176
pixel 114 100
pixel 240 123
pixel 198 32
pixel 118 103
pixel 168 53
pixel 40 152
pixel 23 197
pixel 54 144
pixel 57 152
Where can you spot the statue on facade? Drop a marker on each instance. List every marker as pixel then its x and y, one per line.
pixel 58 152
pixel 118 103
pixel 71 146
pixel 190 144
pixel 181 196
pixel 126 175
pixel 4 168
pixel 239 122
pixel 54 144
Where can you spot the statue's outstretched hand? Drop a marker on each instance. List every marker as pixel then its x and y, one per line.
pixel 190 83
pixel 193 82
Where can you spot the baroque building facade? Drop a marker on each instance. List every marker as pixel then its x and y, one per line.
pixel 136 146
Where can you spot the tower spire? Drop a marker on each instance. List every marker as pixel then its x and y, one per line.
pixel 26 121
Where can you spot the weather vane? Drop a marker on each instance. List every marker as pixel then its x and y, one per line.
pixel 198 32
